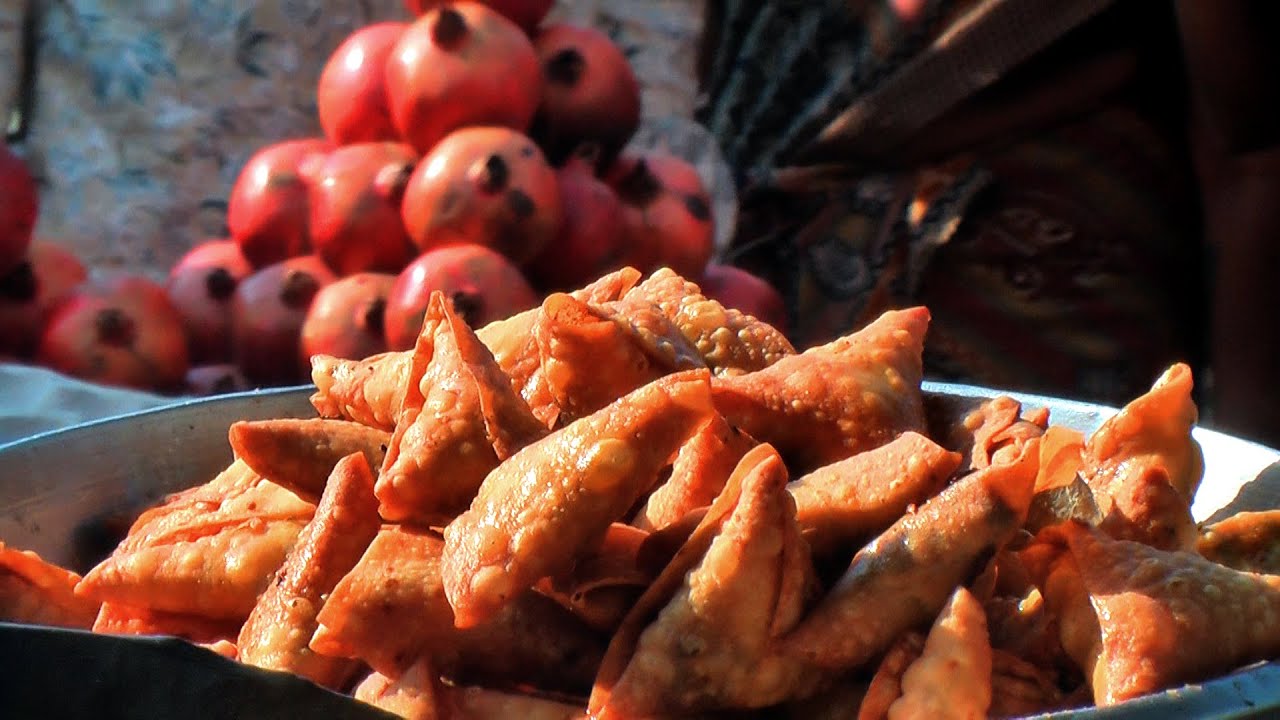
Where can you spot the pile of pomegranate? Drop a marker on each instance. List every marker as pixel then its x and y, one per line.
pixel 476 150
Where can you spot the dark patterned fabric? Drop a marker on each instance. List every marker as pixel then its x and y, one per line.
pixel 1062 258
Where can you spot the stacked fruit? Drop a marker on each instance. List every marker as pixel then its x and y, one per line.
pixel 476 150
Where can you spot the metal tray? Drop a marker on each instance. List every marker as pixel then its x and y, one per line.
pixel 59 489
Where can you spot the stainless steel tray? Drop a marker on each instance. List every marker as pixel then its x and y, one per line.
pixel 58 490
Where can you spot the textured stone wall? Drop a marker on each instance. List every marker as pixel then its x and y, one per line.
pixel 145 111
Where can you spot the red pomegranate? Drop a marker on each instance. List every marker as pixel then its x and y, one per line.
pixel 590 94
pixel 19 206
pixel 485 185
pixel 201 286
pixel 483 285
pixel 267 315
pixel 119 331
pixel 355 208
pixel 667 212
pixel 351 97
pixel 591 239
pixel 525 13
pixel 347 318
pixel 30 293
pixel 461 64
pixel 268 212
pixel 218 379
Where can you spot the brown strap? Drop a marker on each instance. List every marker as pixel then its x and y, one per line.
pixel 989 40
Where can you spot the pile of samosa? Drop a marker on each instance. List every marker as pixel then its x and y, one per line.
pixel 633 502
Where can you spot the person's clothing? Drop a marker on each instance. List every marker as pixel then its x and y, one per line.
pixel 1059 256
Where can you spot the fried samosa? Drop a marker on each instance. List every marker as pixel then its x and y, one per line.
pixel 33 591
pixel 843 504
pixel 729 341
pixel 713 645
pixel 278 630
pixel 299 454
pixel 391 609
pixel 698 474
pixel 551 500
pixel 1144 466
pixel 836 400
pixel 1156 619
pixel 459 420
pixel 903 578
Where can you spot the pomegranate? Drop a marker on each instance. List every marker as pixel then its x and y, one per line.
pixel 19 205
pixel 458 65
pixel 267 212
pixel 217 379
pixel 120 331
pixel 590 93
pixel 525 13
pixel 355 208
pixel 736 288
pixel 32 291
pixel 200 287
pixel 483 285
pixel 267 315
pixel 346 319
pixel 592 236
pixel 351 96
pixel 486 185
pixel 667 213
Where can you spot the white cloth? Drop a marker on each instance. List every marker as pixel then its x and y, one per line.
pixel 35 400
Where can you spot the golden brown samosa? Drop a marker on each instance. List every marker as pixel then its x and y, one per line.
pixel 952 676
pixel 299 454
pixel 1247 541
pixel 851 500
pixel 510 340
pixel 1157 619
pixel 1144 466
pixel 278 630
pixel 836 400
pixel 34 591
pixel 206 551
pixel 904 576
pixel 391 608
pixel 551 500
pixel 116 619
pixel 589 356
pixel 729 341
pixel 713 645
pixel 413 695
pixel 368 391
pixel 460 418
pixel 698 474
